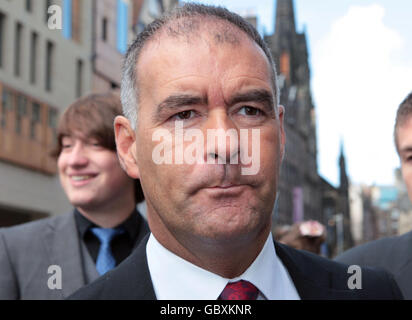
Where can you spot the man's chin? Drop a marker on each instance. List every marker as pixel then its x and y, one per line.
pixel 225 234
pixel 83 204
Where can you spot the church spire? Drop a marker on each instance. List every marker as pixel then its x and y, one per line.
pixel 285 19
pixel 342 166
pixel 284 39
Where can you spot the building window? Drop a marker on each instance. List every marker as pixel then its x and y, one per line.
pixel 29 5
pixel 6 105
pixel 52 118
pixel 3 117
pixel 76 20
pixel 33 57
pixel 6 100
pixel 48 3
pixel 52 113
pixel 17 49
pixel 79 78
pixel 72 19
pixel 49 65
pixel 35 119
pixel 21 112
pixel 30 130
pixel 104 29
pixel 2 19
pixel 122 26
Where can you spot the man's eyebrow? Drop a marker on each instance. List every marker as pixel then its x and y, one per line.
pixel 180 100
pixel 406 149
pixel 175 102
pixel 258 95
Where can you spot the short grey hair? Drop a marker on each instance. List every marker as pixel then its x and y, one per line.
pixel 403 114
pixel 190 12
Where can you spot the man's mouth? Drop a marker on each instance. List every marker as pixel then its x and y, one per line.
pixel 81 178
pixel 226 185
pixel 228 190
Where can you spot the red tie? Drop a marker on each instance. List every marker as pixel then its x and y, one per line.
pixel 240 290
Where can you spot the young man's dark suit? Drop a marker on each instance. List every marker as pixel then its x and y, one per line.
pixel 393 254
pixel 28 250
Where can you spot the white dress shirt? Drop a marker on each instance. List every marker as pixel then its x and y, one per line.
pixel 174 278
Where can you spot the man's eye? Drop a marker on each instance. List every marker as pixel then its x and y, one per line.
pixel 185 115
pixel 95 144
pixel 66 146
pixel 250 111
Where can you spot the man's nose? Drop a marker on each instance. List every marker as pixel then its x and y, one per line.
pixel 222 139
pixel 77 156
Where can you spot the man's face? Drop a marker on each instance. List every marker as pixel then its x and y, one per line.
pixel 207 85
pixel 404 138
pixel 91 175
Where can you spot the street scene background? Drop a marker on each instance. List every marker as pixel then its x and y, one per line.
pixel 344 67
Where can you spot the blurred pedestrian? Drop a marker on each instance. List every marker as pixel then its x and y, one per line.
pixel 305 235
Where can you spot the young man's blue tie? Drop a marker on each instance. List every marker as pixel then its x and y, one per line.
pixel 105 260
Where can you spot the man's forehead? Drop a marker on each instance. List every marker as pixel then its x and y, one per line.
pixel 404 134
pixel 193 31
pixel 216 44
pixel 78 135
pixel 207 70
pixel 189 29
pixel 167 48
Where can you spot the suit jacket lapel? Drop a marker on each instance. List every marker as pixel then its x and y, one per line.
pixel 131 279
pixel 142 284
pixel 399 263
pixel 88 265
pixel 304 271
pixel 61 239
pixel 143 230
pixel 404 279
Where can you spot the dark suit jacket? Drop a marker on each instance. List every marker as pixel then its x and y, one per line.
pixel 27 251
pixel 314 278
pixel 393 254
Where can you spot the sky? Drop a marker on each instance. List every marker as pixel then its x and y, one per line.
pixel 360 55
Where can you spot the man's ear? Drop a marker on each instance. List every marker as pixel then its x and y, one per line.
pixel 282 139
pixel 126 146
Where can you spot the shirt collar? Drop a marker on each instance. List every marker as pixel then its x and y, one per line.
pixel 182 280
pixel 131 224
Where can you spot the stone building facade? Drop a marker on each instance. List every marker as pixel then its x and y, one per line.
pixel 299 189
pixel 303 193
pixel 44 67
